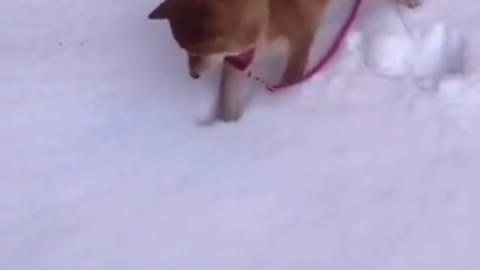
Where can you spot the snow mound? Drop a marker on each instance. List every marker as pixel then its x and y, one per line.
pixel 392 49
pixel 438 52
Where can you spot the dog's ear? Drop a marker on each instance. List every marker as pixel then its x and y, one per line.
pixel 161 12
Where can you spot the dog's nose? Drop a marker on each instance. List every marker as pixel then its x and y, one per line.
pixel 194 75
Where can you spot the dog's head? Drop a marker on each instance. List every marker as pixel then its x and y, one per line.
pixel 209 30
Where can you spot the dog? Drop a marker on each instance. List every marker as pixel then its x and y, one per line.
pixel 210 30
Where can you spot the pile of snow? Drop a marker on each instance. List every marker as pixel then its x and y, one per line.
pixel 395 49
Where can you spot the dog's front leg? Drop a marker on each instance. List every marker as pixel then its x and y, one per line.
pixel 299 51
pixel 229 103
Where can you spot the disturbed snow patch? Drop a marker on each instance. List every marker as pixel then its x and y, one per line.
pixel 390 48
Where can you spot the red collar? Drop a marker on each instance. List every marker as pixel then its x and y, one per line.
pixel 242 60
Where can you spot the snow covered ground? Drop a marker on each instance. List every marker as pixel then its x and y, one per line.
pixel 374 164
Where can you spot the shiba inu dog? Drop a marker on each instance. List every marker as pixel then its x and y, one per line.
pixel 210 30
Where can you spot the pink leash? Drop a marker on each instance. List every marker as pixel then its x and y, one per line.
pixel 242 64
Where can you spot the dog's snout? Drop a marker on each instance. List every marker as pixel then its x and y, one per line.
pixel 194 75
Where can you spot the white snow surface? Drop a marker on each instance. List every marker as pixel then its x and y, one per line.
pixel 373 164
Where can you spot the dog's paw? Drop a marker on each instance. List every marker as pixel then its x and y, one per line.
pixel 229 109
pixel 290 77
pixel 410 3
pixel 229 115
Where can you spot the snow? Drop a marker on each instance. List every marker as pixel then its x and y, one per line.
pixel 104 165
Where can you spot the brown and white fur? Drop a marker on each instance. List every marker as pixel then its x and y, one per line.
pixel 209 30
